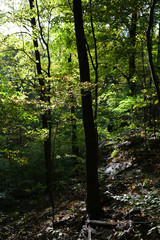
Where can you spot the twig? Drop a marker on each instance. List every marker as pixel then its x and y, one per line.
pixel 101 223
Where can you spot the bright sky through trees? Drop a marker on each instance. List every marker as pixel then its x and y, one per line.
pixel 5 8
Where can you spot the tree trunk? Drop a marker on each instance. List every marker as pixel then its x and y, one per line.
pixel 46 117
pixel 158 52
pixel 93 198
pixel 75 149
pixel 132 65
pixel 95 66
pixel 149 48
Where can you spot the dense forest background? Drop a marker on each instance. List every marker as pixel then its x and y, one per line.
pixel 52 94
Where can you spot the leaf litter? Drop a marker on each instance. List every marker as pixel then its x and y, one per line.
pixel 130 201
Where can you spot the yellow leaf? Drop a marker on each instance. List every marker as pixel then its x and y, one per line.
pixel 156 102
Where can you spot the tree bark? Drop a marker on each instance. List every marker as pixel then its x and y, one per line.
pixel 93 198
pixel 149 49
pixel 75 149
pixel 46 117
pixel 95 66
pixel 132 65
pixel 158 52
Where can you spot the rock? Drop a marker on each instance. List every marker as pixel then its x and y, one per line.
pixel 115 168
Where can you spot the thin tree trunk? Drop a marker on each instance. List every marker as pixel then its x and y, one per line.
pixel 158 52
pixel 46 117
pixel 75 149
pixel 145 86
pixel 95 66
pixel 132 65
pixel 93 198
pixel 149 49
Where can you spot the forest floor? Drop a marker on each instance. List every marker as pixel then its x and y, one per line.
pixel 129 173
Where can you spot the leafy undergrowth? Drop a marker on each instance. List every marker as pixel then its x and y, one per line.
pixel 130 191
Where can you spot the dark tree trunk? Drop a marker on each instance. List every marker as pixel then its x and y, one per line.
pixel 132 65
pixel 46 117
pixel 158 53
pixel 75 149
pixel 149 48
pixel 95 66
pixel 93 198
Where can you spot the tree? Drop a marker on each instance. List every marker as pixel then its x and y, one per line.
pixel 93 197
pixel 132 36
pixel 45 97
pixel 149 48
pixel 75 149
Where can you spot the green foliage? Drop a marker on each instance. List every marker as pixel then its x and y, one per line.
pixel 149 202
pixel 119 111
